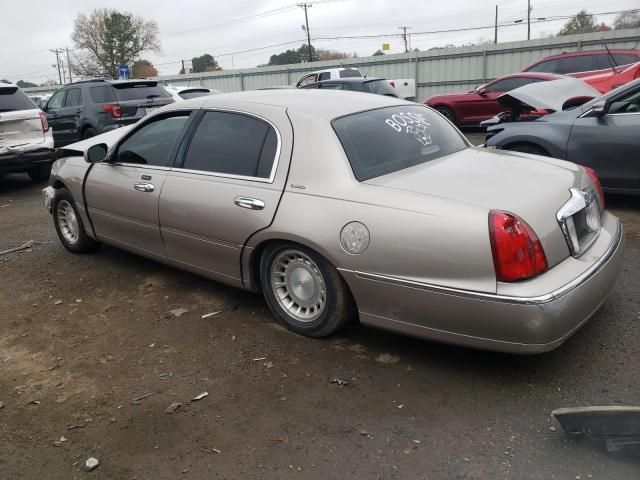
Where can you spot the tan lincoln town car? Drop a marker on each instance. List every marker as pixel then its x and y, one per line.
pixel 340 206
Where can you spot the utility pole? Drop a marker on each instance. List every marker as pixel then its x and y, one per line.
pixel 495 30
pixel 69 65
pixel 58 52
pixel 528 19
pixel 404 37
pixel 306 6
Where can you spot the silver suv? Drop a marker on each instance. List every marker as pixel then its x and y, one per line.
pixel 26 142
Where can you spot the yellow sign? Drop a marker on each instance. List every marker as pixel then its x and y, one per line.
pixel 385 46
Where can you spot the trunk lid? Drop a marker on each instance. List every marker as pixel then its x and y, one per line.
pixel 534 188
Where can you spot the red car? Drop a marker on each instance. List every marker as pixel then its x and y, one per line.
pixel 586 62
pixel 480 104
pixel 609 80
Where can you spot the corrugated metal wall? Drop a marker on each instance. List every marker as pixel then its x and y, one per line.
pixel 435 71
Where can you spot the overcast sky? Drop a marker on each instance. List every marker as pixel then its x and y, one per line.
pixel 188 27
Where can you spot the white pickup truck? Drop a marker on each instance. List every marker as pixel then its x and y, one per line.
pixel 405 87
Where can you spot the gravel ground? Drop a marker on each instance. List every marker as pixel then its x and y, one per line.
pixel 91 359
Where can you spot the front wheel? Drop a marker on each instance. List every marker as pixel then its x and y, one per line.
pixel 304 291
pixel 447 113
pixel 68 223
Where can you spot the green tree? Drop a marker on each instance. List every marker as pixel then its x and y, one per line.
pixel 107 38
pixel 143 69
pixel 627 20
pixel 23 84
pixel 582 22
pixel 204 63
pixel 378 52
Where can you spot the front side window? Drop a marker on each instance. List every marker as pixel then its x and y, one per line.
pixel 629 103
pixel 324 76
pixel 385 140
pixel 308 80
pixel 153 144
pixel 56 101
pixel 232 144
pixel 582 63
pixel 74 97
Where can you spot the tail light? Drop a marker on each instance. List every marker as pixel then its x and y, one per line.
pixel 44 122
pixel 517 251
pixel 596 183
pixel 113 109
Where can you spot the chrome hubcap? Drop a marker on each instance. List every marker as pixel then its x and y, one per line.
pixel 298 285
pixel 68 222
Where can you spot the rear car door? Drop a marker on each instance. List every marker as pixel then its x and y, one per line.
pixel 68 116
pixel 226 187
pixel 122 193
pixel 52 109
pixel 610 143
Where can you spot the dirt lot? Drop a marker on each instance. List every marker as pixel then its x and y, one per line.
pixel 83 336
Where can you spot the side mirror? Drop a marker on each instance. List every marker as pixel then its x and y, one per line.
pixel 600 108
pixel 96 153
pixel 481 91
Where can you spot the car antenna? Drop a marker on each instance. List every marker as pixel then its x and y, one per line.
pixel 612 59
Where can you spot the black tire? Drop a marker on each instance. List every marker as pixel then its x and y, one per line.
pixel 80 242
pixel 41 173
pixel 338 307
pixel 528 148
pixel 89 132
pixel 447 113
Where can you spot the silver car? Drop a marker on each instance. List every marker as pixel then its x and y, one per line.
pixel 341 205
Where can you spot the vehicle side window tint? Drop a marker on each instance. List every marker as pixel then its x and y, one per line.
pixel 307 80
pixel 582 63
pixel 101 94
pixel 549 66
pixel 268 154
pixel 229 143
pixel 153 143
pixel 630 103
pixel 626 58
pixel 509 84
pixel 324 76
pixel 56 101
pixel 74 97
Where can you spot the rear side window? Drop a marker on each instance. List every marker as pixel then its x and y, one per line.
pixel 385 140
pixel 350 73
pixel 381 87
pixel 139 91
pixel 12 99
pixel 101 94
pixel 74 97
pixel 153 143
pixel 232 144
pixel 548 66
pixel 582 63
pixel 324 76
pixel 626 58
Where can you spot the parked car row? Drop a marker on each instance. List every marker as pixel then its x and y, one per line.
pixel 604 70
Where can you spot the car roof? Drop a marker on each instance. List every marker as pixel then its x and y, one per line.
pixel 320 103
pixel 588 52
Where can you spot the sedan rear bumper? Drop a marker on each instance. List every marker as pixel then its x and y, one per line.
pixel 506 323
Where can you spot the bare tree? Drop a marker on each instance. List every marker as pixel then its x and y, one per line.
pixel 108 38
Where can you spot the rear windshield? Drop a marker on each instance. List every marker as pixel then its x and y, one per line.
pixel 385 140
pixel 350 73
pixel 381 87
pixel 12 98
pixel 139 91
pixel 194 94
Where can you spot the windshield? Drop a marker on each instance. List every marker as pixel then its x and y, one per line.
pixel 385 140
pixel 12 98
pixel 139 91
pixel 381 87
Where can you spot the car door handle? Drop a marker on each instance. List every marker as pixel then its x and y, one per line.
pixel 144 186
pixel 250 203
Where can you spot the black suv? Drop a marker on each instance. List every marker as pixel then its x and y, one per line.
pixel 83 109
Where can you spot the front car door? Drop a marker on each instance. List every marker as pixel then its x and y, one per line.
pixel 610 143
pixel 226 187
pixel 122 193
pixel 52 108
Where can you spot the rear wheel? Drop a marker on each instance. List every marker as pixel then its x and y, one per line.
pixel 447 113
pixel 68 223
pixel 89 132
pixel 41 173
pixel 528 148
pixel 304 291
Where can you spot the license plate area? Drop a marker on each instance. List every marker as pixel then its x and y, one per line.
pixel 580 219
